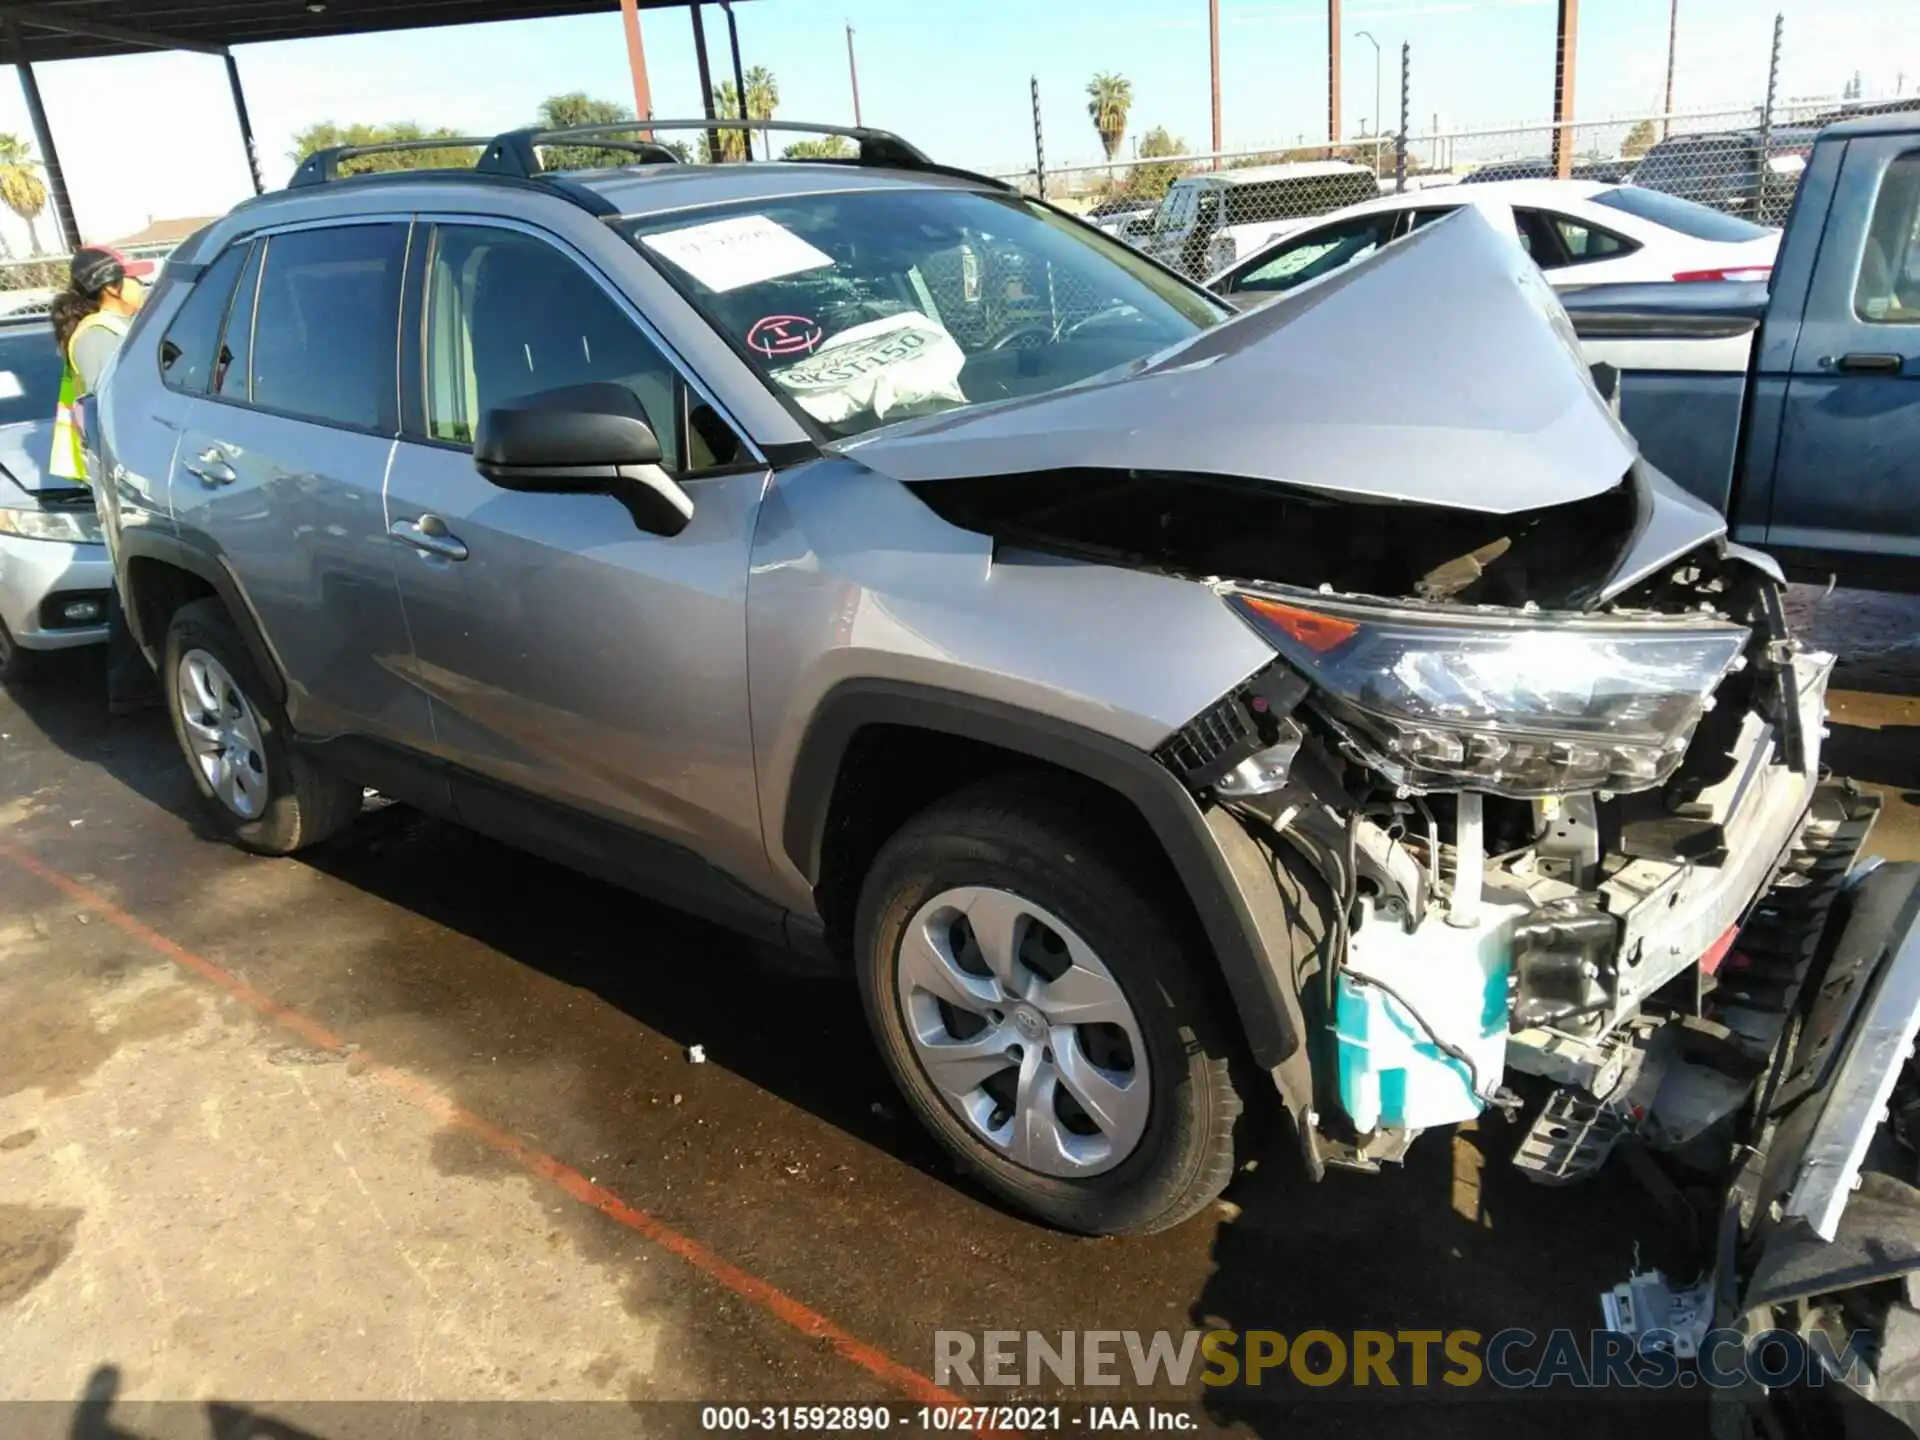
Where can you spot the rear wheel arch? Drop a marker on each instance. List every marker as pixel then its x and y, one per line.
pixel 159 575
pixel 880 752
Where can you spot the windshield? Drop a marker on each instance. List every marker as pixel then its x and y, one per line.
pixel 863 308
pixel 29 374
pixel 1681 215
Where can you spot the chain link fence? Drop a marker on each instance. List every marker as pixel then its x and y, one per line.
pixel 27 287
pixel 1199 212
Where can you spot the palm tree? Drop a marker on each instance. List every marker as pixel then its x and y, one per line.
pixel 1109 98
pixel 763 98
pixel 21 188
pixel 726 106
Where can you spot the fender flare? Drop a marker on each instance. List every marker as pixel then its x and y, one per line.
pixel 145 544
pixel 1226 875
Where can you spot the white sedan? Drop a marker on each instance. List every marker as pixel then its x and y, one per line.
pixel 1581 232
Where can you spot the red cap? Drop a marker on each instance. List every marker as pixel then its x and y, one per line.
pixel 97 266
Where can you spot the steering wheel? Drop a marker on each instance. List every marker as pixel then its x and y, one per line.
pixel 1036 333
pixel 1029 335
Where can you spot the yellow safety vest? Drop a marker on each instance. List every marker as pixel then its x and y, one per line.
pixel 69 461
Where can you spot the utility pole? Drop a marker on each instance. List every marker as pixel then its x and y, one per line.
pixel 1039 148
pixel 1569 38
pixel 714 155
pixel 1673 37
pixel 1333 72
pixel 637 63
pixel 740 79
pixel 853 74
pixel 1213 40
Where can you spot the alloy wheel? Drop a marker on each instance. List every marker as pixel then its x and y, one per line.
pixel 222 733
pixel 1024 1032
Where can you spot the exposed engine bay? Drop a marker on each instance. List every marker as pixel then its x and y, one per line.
pixel 1539 819
pixel 1543 833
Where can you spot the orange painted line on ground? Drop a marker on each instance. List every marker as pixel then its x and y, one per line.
pixel 770 1298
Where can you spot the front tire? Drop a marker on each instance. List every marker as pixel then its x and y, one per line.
pixel 261 793
pixel 1031 993
pixel 18 665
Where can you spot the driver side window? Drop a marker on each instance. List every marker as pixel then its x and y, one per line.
pixel 508 315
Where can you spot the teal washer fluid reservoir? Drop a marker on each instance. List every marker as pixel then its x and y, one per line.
pixel 1391 1072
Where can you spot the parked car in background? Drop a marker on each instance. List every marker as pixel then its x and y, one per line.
pixel 1736 171
pixel 1794 407
pixel 1121 218
pixel 1580 232
pixel 1541 167
pixel 1208 221
pixel 54 570
pixel 17 303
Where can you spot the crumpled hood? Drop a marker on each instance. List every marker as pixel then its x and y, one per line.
pixel 1441 371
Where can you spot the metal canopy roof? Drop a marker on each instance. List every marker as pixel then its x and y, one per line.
pixel 78 29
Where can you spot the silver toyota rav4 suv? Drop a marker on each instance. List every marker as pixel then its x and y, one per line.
pixel 1136 694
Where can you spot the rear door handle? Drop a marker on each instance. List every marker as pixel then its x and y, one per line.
pixel 429 535
pixel 1868 363
pixel 210 472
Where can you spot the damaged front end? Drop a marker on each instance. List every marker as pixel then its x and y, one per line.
pixel 1544 830
pixel 1534 735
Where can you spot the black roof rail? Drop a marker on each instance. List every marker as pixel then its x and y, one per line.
pixel 323 166
pixel 517 151
pixel 514 157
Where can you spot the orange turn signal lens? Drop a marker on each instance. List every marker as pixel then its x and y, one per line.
pixel 1319 633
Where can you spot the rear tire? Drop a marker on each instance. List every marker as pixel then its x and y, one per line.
pixel 1018 878
pixel 262 793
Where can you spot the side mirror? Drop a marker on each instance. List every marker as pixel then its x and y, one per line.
pixel 583 440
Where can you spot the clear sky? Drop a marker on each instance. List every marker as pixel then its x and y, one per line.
pixel 154 136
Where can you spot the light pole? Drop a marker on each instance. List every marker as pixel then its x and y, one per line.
pixel 1367 36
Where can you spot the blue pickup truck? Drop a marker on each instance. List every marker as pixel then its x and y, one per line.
pixel 1794 405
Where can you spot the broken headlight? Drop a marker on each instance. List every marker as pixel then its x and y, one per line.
pixel 1512 704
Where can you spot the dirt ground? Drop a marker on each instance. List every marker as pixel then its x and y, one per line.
pixel 412 1118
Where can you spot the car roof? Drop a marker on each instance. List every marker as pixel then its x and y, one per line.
pixel 1509 192
pixel 1905 122
pixel 651 189
pixel 1538 192
pixel 1293 170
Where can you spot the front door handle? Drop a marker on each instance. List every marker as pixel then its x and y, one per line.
pixel 210 470
pixel 1868 363
pixel 429 535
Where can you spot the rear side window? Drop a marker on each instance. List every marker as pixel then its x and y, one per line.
pixel 187 350
pixel 1560 240
pixel 1683 216
pixel 326 324
pixel 1887 291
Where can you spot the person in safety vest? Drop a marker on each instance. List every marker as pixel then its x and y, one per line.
pixel 90 319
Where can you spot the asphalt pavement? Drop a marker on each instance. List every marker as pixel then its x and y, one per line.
pixel 414 1118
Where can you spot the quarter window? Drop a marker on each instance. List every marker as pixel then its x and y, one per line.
pixel 236 341
pixel 187 351
pixel 326 323
pixel 1582 242
pixel 1888 289
pixel 509 315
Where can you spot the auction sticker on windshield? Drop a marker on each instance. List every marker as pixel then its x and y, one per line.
pixel 724 255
